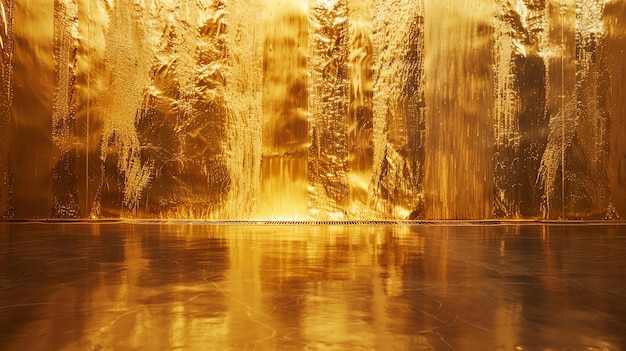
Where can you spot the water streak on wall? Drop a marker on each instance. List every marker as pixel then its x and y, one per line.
pixel 587 184
pixel 520 116
pixel 244 91
pixel 458 180
pixel 361 106
pixel 285 110
pixel 32 154
pixel 612 49
pixel 6 97
pixel 65 201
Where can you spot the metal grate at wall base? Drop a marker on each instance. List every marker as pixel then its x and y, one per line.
pixel 316 223
pixel 327 223
pixel 293 222
pixel 378 222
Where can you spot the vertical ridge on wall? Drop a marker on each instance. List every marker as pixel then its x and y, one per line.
pixel 399 103
pixel 285 110
pixel 561 106
pixel 459 124
pixel 327 169
pixel 361 106
pixel 587 181
pixel 6 99
pixel 244 98
pixel 65 200
pixel 88 92
pixel 520 116
pixel 33 85
pixel 612 48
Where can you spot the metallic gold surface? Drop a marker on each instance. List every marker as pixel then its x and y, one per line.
pixel 205 287
pixel 312 109
pixel 6 97
pixel 458 181
pixel 285 114
pixel 399 108
pixel 613 49
pixel 32 155
pixel 520 120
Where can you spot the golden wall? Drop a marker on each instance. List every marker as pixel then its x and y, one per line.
pixel 318 109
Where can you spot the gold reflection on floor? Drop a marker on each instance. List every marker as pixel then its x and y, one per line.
pixel 226 287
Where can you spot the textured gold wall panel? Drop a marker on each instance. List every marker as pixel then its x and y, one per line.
pixel 318 109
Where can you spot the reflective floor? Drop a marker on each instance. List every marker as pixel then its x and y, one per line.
pixel 114 286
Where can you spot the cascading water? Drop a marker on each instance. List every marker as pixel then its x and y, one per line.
pixel 322 109
pixel 458 178
pixel 285 115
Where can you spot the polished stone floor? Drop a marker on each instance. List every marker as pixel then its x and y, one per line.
pixel 120 286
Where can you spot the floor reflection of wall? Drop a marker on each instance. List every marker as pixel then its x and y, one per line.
pixel 150 287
